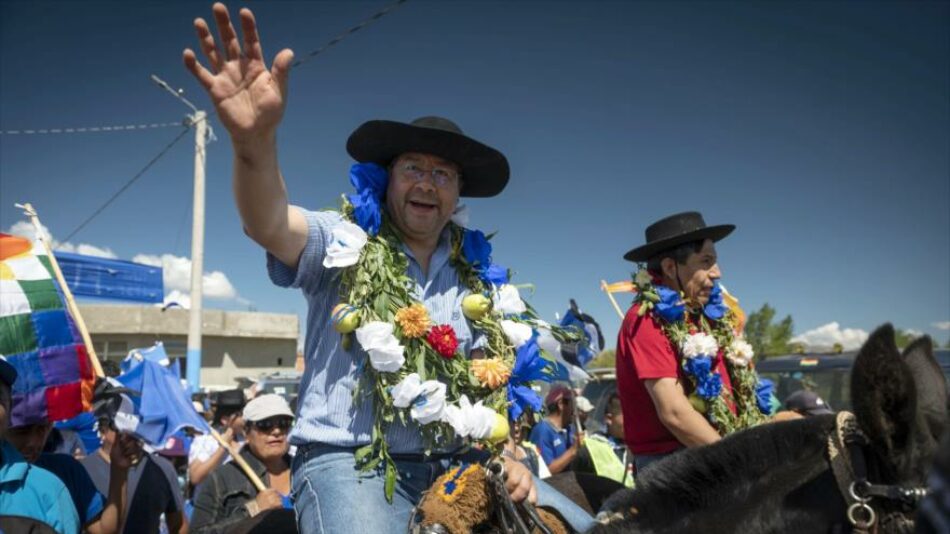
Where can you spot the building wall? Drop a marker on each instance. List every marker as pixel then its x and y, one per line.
pixel 234 344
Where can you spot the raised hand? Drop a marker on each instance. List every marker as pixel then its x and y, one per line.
pixel 125 452
pixel 249 98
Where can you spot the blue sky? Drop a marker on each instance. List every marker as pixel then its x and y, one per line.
pixel 821 129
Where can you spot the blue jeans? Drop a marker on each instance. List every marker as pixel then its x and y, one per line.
pixel 332 496
pixel 642 461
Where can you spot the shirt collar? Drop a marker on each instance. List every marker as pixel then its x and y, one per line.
pixel 13 468
pixel 440 255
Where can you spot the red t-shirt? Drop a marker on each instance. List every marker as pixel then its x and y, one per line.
pixel 645 353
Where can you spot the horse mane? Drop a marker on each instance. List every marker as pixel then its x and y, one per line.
pixel 767 459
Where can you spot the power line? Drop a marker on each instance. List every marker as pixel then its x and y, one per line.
pixel 378 15
pixel 91 129
pixel 98 129
pixel 127 184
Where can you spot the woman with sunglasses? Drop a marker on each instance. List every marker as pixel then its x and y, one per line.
pixel 228 496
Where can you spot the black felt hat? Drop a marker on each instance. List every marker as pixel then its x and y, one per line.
pixel 230 398
pixel 484 169
pixel 675 230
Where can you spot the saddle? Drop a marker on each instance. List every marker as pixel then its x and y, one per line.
pixel 472 498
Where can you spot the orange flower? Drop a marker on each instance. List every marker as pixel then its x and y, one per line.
pixel 413 320
pixel 491 372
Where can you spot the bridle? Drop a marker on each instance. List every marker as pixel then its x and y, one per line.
pixel 846 451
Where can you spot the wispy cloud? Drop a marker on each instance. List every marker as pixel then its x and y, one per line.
pixel 942 325
pixel 826 336
pixel 27 230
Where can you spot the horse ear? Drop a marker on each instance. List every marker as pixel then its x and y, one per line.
pixel 883 394
pixel 931 386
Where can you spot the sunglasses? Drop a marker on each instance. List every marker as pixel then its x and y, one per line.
pixel 266 425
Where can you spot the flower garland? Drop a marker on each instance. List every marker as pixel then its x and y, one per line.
pixel 415 370
pixel 702 337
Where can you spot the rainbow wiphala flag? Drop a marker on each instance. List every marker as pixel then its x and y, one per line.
pixel 38 337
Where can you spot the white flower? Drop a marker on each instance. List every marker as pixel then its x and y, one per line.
pixel 406 391
pixel 385 352
pixel 700 344
pixel 460 215
pixel 508 300
pixel 643 278
pixel 481 420
pixel 470 421
pixel 429 405
pixel 548 343
pixel 518 333
pixel 740 352
pixel 348 240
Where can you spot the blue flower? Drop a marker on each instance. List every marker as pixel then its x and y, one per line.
pixel 476 249
pixel 709 386
pixel 698 367
pixel 529 366
pixel 715 308
pixel 763 395
pixel 495 274
pixel 671 307
pixel 370 181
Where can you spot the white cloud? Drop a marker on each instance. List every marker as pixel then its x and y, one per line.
pixel 826 336
pixel 913 333
pixel 177 276
pixel 27 230
pixel 942 325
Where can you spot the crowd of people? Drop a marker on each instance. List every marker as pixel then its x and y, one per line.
pixel 298 467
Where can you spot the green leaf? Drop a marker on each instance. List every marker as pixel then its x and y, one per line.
pixel 390 480
pixel 362 452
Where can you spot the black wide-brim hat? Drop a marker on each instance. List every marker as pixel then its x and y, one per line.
pixel 676 230
pixel 484 170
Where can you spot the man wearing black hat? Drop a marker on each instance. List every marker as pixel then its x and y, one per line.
pixel 679 254
pixel 429 164
pixel 205 454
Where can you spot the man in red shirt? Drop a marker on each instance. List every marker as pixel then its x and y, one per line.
pixel 680 254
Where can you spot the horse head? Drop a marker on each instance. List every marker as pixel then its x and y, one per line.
pixel 900 403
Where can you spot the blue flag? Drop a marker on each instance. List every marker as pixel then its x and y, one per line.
pixel 155 353
pixel 163 407
pixel 580 354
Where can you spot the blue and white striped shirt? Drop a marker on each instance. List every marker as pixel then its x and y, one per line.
pixel 326 412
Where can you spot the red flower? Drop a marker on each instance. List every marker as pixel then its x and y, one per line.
pixel 443 340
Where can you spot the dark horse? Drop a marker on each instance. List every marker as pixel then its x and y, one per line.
pixel 778 477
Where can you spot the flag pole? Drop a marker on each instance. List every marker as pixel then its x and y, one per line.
pixel 603 286
pixel 70 301
pixel 256 480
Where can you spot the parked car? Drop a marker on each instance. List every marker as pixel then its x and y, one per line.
pixel 603 381
pixel 827 375
pixel 287 385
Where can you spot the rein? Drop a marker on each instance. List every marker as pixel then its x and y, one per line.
pixel 846 446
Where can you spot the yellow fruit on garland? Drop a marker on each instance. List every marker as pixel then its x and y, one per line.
pixel 697 402
pixel 500 430
pixel 475 306
pixel 345 318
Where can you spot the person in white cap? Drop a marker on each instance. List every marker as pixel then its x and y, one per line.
pixel 228 495
pixel 584 409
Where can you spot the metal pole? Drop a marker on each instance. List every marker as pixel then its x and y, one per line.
pixel 193 372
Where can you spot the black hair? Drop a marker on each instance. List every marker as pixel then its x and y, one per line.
pixel 680 254
pixel 225 411
pixel 613 404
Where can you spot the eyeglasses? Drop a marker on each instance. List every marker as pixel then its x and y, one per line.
pixel 266 425
pixel 441 176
